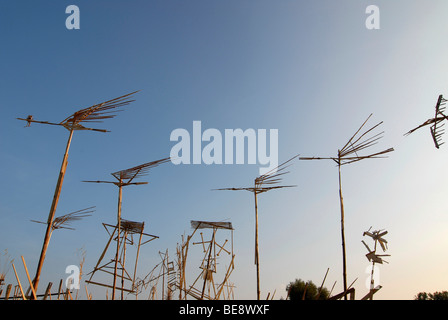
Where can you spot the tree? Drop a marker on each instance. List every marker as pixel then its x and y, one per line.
pixel 300 290
pixel 432 296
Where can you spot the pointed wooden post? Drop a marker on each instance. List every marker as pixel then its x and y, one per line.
pixel 120 193
pixel 349 154
pixel 54 204
pixel 257 261
pixel 341 200
pixel 18 282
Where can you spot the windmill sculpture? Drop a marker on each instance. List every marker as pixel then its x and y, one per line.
pixel 212 249
pixel 349 153
pixel 372 256
pixel 436 123
pixel 76 121
pixel 124 178
pixel 264 183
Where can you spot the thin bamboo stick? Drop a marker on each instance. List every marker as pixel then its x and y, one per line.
pixel 29 279
pixel 57 193
pixel 18 281
pixel 47 291
pixel 257 261
pixel 118 238
pixel 8 291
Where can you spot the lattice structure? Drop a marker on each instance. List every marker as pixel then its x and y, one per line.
pixel 125 235
pixel 162 276
pixel 205 287
pixel 350 153
pixel 126 178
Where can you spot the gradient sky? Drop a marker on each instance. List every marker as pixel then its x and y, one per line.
pixel 310 69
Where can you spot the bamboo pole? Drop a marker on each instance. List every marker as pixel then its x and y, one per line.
pixel 371 275
pixel 59 289
pixel 8 291
pixel 208 262
pixel 125 234
pixel 344 265
pixel 257 261
pixel 47 291
pixel 118 237
pixel 57 193
pixel 18 281
pixel 29 279
pixel 136 259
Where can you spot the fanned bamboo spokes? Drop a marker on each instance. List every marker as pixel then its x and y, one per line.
pixel 93 114
pixel 98 111
pixel 349 152
pixel 138 171
pixel 63 221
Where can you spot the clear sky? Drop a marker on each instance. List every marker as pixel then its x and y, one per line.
pixel 310 69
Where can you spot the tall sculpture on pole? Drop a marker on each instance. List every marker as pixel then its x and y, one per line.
pixel 346 155
pixel 436 123
pixel 126 178
pixel 95 113
pixel 263 183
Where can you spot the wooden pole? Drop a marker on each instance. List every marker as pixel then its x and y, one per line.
pixel 125 235
pixel 18 281
pixel 344 266
pixel 8 291
pixel 208 262
pixel 47 291
pixel 59 289
pixel 29 279
pixel 371 275
pixel 257 261
pixel 57 193
pixel 136 259
pixel 118 237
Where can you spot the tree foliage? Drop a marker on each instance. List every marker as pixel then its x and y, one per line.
pixel 301 290
pixel 432 296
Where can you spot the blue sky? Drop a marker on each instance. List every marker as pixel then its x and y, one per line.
pixel 310 69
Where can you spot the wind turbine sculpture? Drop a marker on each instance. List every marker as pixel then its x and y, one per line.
pixel 76 121
pixel 372 256
pixel 436 128
pixel 348 154
pixel 264 183
pixel 126 178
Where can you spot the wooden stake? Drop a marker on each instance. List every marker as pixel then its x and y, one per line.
pixel 344 265
pixel 18 281
pixel 29 279
pixel 118 237
pixel 59 289
pixel 57 193
pixel 47 291
pixel 257 261
pixel 8 290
